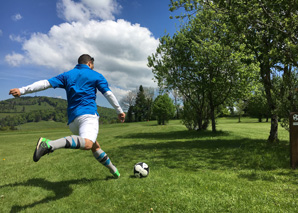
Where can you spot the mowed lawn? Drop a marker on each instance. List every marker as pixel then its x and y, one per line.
pixel 233 170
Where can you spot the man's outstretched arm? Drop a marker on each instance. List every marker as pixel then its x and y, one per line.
pixel 35 87
pixel 113 101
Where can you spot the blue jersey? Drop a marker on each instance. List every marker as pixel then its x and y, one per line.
pixel 80 84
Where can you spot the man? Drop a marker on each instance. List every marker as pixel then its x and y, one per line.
pixel 81 84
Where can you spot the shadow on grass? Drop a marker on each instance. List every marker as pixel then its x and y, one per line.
pixel 175 135
pixel 205 150
pixel 61 189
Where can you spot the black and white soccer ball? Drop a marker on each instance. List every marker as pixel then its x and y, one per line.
pixel 141 170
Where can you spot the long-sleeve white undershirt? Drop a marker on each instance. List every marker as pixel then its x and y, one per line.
pixel 35 87
pixel 45 84
pixel 113 101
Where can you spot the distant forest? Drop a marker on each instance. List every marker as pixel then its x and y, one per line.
pixel 17 111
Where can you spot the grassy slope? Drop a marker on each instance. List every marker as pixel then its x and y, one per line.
pixel 21 103
pixel 232 171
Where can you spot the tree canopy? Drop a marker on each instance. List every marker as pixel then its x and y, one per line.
pixel 163 109
pixel 205 62
pixel 269 30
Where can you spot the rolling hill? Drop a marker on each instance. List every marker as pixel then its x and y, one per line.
pixel 16 111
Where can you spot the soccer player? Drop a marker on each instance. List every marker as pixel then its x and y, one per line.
pixel 81 84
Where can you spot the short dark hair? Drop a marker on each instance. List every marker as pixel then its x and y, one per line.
pixel 85 58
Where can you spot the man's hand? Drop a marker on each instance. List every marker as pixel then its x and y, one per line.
pixel 121 117
pixel 15 92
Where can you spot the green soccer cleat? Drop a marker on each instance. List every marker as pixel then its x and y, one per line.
pixel 42 148
pixel 116 174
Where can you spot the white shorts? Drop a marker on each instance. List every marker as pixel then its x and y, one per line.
pixel 85 126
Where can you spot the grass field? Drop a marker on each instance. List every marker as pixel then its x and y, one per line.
pixel 234 170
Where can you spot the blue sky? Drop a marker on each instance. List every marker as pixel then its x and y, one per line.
pixel 42 38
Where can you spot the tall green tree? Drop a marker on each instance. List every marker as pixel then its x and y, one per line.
pixel 144 105
pixel 257 104
pixel 199 63
pixel 149 94
pixel 190 118
pixel 140 107
pixel 269 29
pixel 163 109
pixel 130 114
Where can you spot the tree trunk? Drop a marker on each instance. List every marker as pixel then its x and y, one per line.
pixel 200 120
pixel 212 109
pixel 273 137
pixel 265 71
pixel 265 74
pixel 213 121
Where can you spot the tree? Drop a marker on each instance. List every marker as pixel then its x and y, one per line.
pixel 130 114
pixel 177 105
pixel 288 100
pixel 129 100
pixel 257 104
pixel 269 30
pixel 140 107
pixel 240 106
pixel 128 103
pixel 163 109
pixel 201 65
pixel 194 122
pixel 149 94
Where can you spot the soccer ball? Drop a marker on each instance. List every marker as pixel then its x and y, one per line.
pixel 141 170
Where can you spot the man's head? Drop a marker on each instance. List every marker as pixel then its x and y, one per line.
pixel 86 59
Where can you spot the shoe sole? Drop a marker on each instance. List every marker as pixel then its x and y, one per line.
pixel 37 146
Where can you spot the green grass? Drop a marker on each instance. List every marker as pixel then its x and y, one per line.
pixel 234 170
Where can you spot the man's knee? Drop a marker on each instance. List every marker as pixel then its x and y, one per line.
pixel 95 146
pixel 88 144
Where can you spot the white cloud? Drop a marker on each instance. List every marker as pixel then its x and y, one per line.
pixel 86 10
pixel 16 38
pixel 120 50
pixel 119 93
pixel 1 32
pixel 17 17
pixel 14 59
